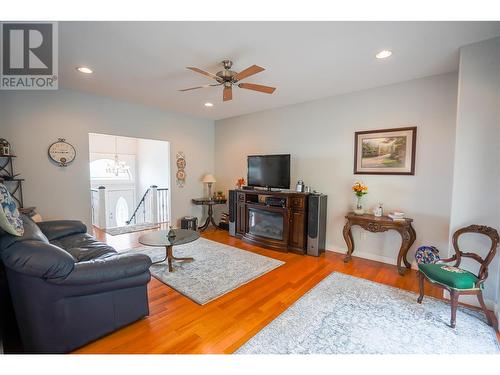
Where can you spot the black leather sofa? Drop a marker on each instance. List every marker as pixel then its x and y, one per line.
pixel 67 288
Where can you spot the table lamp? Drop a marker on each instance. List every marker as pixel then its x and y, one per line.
pixel 209 179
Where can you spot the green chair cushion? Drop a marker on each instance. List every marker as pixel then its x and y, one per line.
pixel 452 277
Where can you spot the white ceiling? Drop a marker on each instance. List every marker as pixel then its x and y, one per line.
pixel 145 62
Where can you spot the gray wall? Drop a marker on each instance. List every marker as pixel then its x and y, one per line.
pixel 476 186
pixel 31 121
pixel 320 137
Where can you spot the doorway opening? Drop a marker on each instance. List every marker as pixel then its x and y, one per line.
pixel 129 183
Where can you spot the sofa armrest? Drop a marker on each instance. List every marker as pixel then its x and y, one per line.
pixel 38 259
pixel 112 268
pixel 61 228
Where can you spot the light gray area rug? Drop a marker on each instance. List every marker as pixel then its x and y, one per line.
pixel 115 231
pixel 216 270
pixel 347 315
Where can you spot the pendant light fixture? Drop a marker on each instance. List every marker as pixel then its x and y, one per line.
pixel 117 167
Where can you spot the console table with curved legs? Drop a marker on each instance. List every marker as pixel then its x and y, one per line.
pixel 375 224
pixel 210 216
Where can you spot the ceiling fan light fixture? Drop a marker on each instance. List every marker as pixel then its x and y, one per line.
pixel 383 54
pixel 228 78
pixel 84 69
pixel 208 104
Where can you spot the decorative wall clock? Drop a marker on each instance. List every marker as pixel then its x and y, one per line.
pixel 181 165
pixel 62 152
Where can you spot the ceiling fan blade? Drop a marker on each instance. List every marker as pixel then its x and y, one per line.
pixel 227 94
pixel 200 87
pixel 255 87
pixel 250 71
pixel 205 73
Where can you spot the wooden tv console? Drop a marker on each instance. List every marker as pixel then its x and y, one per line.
pixel 280 225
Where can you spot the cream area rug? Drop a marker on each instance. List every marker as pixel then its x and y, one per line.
pixel 115 231
pixel 347 315
pixel 216 270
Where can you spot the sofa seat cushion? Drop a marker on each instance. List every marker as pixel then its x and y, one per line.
pixel 452 277
pixel 10 221
pixel 83 247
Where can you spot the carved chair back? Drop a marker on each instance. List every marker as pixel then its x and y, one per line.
pixel 481 229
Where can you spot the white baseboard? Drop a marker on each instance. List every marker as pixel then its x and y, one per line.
pixel 371 256
pixel 472 301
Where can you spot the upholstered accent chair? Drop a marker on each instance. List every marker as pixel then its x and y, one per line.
pixel 459 281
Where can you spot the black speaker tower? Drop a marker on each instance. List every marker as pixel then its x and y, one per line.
pixel 316 224
pixel 232 213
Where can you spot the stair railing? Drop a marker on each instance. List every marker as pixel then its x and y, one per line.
pixel 152 208
pixel 141 208
pixel 162 194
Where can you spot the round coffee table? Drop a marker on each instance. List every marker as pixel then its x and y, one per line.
pixel 160 238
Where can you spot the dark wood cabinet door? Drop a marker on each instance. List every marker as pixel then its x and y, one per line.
pixel 240 218
pixel 296 237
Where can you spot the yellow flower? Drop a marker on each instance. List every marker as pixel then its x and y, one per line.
pixel 359 188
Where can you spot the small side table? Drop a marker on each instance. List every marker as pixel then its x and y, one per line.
pixel 160 238
pixel 210 203
pixel 373 223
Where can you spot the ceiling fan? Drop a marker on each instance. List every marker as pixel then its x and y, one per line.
pixel 228 78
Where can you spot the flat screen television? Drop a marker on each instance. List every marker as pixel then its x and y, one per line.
pixel 270 171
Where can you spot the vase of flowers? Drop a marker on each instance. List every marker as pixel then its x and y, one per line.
pixel 240 183
pixel 359 190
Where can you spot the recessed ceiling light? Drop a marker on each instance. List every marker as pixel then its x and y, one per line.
pixel 208 104
pixel 383 54
pixel 84 69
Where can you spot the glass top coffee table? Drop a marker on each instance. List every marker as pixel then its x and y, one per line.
pixel 160 238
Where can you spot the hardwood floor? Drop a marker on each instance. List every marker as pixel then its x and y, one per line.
pixel 178 325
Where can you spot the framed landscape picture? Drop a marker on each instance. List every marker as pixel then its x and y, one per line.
pixel 385 151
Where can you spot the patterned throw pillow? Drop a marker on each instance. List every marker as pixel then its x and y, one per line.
pixel 427 255
pixel 9 215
